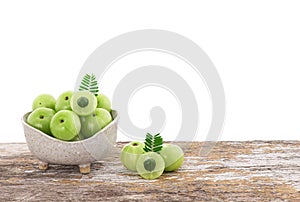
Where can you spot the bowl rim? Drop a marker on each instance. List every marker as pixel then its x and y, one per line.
pixel 115 117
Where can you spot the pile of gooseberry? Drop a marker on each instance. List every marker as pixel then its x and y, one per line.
pixel 149 164
pixel 72 116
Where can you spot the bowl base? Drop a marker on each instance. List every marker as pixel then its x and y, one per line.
pixel 84 168
pixel 43 165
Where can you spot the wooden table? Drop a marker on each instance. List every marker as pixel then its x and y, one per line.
pixel 233 171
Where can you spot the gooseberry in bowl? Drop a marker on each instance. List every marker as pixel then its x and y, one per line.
pixel 44 100
pixel 63 101
pixel 83 103
pixel 94 122
pixel 103 102
pixel 65 125
pixel 40 119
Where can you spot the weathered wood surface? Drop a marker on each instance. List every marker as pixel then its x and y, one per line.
pixel 233 171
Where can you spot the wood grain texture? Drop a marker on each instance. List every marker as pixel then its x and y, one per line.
pixel 233 171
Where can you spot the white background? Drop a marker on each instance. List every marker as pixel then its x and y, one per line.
pixel 255 46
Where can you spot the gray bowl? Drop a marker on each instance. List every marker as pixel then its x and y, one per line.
pixel 82 153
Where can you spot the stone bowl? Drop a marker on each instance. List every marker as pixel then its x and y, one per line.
pixel 50 150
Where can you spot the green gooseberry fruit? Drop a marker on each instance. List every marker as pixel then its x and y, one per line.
pixel 44 100
pixel 173 156
pixel 65 125
pixel 40 119
pixel 131 153
pixel 63 101
pixel 103 102
pixel 83 103
pixel 94 122
pixel 150 165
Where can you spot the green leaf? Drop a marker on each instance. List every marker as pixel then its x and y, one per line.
pixel 89 83
pixel 83 88
pixel 153 143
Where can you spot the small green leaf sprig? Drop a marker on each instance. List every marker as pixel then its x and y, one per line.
pixel 153 143
pixel 89 83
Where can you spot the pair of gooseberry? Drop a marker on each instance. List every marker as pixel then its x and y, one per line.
pixel 151 165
